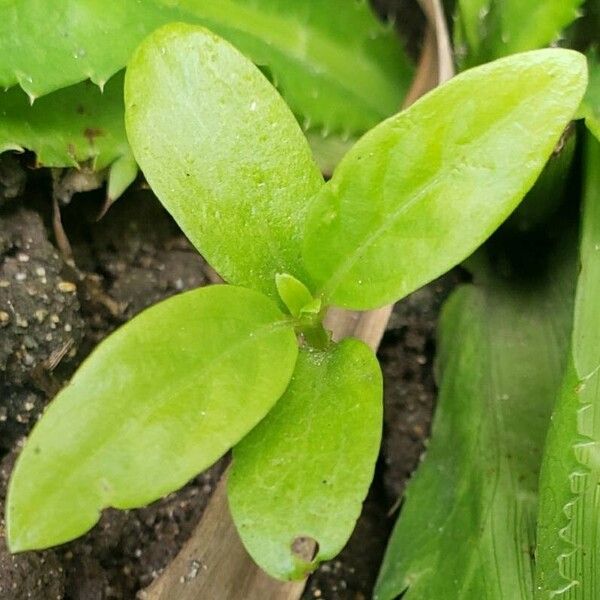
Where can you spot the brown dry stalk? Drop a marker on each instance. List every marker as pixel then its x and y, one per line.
pixel 213 564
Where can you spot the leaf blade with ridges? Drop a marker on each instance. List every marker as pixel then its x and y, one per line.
pixel 467 527
pixel 568 550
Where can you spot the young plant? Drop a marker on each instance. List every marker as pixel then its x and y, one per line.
pixel 249 365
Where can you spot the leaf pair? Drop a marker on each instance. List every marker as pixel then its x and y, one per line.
pixel 228 160
pixel 404 205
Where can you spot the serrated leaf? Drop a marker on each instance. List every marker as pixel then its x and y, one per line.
pixel 333 80
pixel 156 403
pixel 72 126
pixel 223 153
pixel 304 471
pixel 568 550
pixel 418 193
pixel 467 527
pixel 489 29
pixel 590 105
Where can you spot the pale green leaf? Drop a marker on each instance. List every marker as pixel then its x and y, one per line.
pixel 590 106
pixel 338 67
pixel 156 403
pixel 421 191
pixel 72 126
pixel 294 293
pixel 304 471
pixel 223 153
pixel 489 29
pixel 568 551
pixel 467 527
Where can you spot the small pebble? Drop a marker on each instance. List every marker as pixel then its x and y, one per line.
pixel 66 287
pixel 20 276
pixel 4 318
pixel 40 315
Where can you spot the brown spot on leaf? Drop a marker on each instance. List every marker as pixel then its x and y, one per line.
pixel 92 132
pixel 305 548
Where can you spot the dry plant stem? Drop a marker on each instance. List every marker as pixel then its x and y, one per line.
pixel 213 563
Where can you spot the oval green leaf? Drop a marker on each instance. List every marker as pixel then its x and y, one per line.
pixel 156 403
pixel 222 151
pixel 303 473
pixel 421 191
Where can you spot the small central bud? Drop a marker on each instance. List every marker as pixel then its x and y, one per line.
pixel 306 309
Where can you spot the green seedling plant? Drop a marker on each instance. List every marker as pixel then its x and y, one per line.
pixel 249 365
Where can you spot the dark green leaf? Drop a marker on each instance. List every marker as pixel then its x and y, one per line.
pixel 568 551
pixel 590 106
pixel 72 126
pixel 302 474
pixel 489 29
pixel 156 403
pixel 339 68
pixel 467 527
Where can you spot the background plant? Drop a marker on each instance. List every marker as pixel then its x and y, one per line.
pixel 338 85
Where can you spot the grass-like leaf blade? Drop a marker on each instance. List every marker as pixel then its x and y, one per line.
pixel 223 153
pixel 467 527
pixel 156 403
pixel 568 550
pixel 304 471
pixel 422 190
